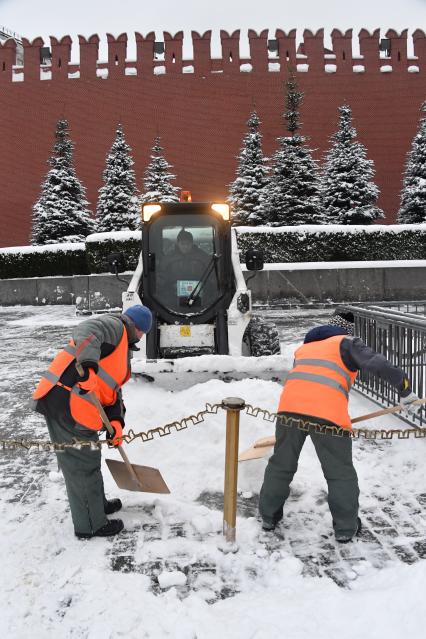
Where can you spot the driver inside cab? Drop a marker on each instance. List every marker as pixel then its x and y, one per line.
pixel 182 269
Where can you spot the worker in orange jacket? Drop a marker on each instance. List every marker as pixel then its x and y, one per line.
pixel 103 347
pixel 316 393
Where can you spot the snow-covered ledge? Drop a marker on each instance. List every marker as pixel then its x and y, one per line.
pixel 309 266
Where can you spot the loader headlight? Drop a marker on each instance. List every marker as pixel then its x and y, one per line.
pixel 222 209
pixel 148 210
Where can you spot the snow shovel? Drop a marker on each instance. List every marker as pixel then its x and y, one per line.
pixel 262 447
pixel 129 476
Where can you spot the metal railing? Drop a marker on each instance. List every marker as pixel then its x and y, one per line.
pixel 401 337
pixel 409 306
pixel 417 307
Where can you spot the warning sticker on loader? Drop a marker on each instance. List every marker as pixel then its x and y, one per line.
pixel 185 331
pixel 185 287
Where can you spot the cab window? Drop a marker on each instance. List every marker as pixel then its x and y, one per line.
pixel 186 275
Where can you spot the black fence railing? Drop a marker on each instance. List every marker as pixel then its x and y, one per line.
pixel 401 337
pixel 413 307
pixel 416 307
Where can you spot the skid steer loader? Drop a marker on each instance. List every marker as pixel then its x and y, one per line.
pixel 189 275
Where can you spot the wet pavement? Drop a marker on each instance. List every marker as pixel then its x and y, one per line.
pixel 394 529
pixel 28 340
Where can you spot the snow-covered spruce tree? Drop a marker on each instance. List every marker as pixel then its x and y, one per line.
pixel 293 194
pixel 348 194
pixel 157 183
pixel 247 190
pixel 61 214
pixel 413 194
pixel 118 205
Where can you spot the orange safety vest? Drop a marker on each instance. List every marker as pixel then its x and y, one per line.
pixel 112 373
pixel 319 383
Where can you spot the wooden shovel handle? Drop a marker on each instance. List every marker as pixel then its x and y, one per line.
pixel 108 426
pixel 385 411
pixel 267 442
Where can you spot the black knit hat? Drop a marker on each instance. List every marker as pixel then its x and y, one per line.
pixel 344 319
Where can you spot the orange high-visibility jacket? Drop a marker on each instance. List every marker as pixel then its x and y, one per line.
pixel 112 373
pixel 319 383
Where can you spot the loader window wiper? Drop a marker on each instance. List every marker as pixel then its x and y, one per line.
pixel 205 276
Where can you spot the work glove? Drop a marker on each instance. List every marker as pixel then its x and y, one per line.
pixel 114 439
pixel 89 381
pixel 408 406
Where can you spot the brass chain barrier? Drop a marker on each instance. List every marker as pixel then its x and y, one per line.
pixel 335 431
pixel 162 431
pixel 198 418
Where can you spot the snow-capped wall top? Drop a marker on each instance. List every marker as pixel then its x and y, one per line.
pixel 266 49
pixel 333 228
pixel 119 236
pixel 46 248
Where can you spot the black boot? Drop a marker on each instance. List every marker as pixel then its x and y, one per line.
pixel 112 506
pixel 344 539
pixel 271 525
pixel 112 527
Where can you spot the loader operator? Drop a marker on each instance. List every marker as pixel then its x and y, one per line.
pixel 316 393
pixel 103 347
pixel 182 269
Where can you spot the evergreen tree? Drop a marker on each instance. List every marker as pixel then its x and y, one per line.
pixel 61 214
pixel 348 195
pixel 293 195
pixel 158 179
pixel 118 206
pixel 413 194
pixel 247 190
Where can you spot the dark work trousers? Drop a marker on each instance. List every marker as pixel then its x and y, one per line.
pixel 335 455
pixel 82 473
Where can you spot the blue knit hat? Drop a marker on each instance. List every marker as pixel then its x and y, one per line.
pixel 141 317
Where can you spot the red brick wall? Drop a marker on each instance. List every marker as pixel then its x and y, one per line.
pixel 200 116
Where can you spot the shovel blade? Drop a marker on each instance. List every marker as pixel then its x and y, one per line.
pixel 254 453
pixel 150 480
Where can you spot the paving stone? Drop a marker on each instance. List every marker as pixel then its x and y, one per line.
pixel 393 530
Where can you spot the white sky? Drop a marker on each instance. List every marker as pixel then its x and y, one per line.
pixel 59 17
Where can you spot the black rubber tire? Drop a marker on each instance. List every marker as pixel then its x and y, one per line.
pixel 262 338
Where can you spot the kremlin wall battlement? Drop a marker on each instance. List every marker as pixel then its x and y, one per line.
pixel 200 106
pixel 310 56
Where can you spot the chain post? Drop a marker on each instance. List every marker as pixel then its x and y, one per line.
pixel 233 406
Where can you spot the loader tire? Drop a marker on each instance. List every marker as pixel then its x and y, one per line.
pixel 262 338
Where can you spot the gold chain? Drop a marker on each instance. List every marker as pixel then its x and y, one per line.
pixel 198 418
pixel 336 431
pixel 162 431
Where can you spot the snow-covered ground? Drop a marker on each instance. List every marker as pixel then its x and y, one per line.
pixel 167 576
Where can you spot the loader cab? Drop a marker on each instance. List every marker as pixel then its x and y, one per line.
pixel 187 277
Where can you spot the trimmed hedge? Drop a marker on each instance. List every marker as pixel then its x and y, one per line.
pixel 335 243
pixel 42 261
pixel 280 244
pixel 309 243
pixel 100 245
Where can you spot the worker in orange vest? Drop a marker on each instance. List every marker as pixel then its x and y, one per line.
pixel 315 394
pixel 103 347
